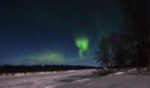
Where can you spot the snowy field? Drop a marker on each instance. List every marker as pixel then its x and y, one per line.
pixel 77 79
pixel 131 79
pixel 44 80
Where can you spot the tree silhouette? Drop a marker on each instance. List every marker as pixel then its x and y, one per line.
pixel 136 31
pixel 102 56
pixel 6 69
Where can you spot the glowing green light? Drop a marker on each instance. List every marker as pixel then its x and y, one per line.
pixel 48 56
pixel 82 44
pixel 43 57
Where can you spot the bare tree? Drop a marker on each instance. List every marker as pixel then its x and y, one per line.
pixel 102 56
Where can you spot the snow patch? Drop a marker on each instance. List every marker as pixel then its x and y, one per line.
pixel 131 70
pixel 49 86
pixel 81 80
pixel 119 73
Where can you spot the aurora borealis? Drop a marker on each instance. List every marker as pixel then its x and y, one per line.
pixel 82 44
pixel 55 31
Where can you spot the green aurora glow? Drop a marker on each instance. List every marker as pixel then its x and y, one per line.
pixel 82 43
pixel 43 57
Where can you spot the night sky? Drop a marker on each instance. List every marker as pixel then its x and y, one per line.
pixel 55 31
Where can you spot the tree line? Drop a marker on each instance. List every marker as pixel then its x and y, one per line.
pixel 131 45
pixel 4 69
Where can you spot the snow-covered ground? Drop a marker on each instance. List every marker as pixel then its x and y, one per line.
pixel 129 79
pixel 44 80
pixel 77 79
